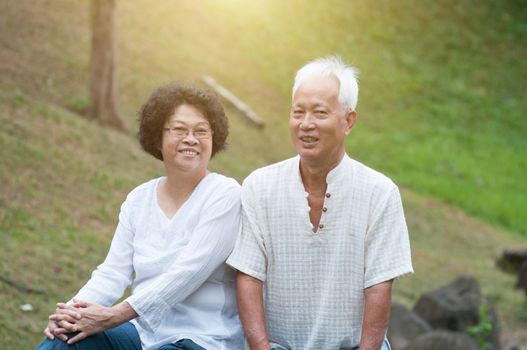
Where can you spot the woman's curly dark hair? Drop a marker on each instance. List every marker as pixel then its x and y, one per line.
pixel 162 104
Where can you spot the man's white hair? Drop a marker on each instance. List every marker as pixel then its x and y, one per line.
pixel 332 66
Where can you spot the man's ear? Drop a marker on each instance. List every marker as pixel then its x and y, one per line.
pixel 351 118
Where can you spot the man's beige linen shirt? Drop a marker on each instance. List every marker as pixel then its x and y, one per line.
pixel 314 281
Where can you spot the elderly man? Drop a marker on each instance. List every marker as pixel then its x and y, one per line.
pixel 323 236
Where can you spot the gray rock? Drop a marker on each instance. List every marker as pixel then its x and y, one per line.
pixel 512 259
pixel 522 277
pixel 442 340
pixel 452 307
pixel 404 326
pixel 494 337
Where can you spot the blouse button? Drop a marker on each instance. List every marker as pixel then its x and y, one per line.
pixel 328 195
pixel 321 226
pixel 324 209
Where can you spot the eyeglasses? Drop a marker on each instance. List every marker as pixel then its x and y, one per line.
pixel 200 132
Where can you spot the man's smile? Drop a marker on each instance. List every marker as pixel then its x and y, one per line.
pixel 308 139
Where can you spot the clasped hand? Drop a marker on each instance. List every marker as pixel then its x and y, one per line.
pixel 82 317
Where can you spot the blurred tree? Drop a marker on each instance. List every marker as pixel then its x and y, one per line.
pixel 104 102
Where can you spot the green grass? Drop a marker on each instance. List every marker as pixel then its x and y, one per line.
pixel 441 110
pixel 58 212
pixel 442 93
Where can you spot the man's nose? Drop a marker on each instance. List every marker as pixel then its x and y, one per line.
pixel 307 122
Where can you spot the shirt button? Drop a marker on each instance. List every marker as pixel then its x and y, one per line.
pixel 321 226
pixel 324 209
pixel 328 195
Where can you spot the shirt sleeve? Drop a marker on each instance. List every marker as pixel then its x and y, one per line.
pixel 211 243
pixel 110 279
pixel 249 255
pixel 387 246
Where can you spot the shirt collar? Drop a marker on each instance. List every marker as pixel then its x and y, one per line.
pixel 334 174
pixel 339 171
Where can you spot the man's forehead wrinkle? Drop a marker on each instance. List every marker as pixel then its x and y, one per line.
pixel 309 104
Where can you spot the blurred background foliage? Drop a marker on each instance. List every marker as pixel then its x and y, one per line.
pixel 441 111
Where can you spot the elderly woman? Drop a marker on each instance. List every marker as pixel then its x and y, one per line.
pixel 173 237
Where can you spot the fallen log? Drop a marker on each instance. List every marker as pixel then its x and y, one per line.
pixel 246 111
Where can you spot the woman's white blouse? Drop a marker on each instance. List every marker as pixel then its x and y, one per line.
pixel 181 286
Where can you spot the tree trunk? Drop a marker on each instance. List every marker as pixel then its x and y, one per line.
pixel 103 66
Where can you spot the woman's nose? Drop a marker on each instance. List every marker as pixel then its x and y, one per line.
pixel 190 138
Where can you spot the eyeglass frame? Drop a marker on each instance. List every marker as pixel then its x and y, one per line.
pixel 187 131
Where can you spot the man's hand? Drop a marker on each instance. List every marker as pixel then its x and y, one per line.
pixel 377 301
pixel 249 294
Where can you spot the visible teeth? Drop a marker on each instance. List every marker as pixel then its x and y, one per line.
pixel 189 152
pixel 308 139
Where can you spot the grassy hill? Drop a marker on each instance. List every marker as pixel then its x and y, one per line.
pixel 441 111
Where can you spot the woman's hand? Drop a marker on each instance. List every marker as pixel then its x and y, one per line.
pixel 95 318
pixel 49 331
pixel 83 317
pixel 61 322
